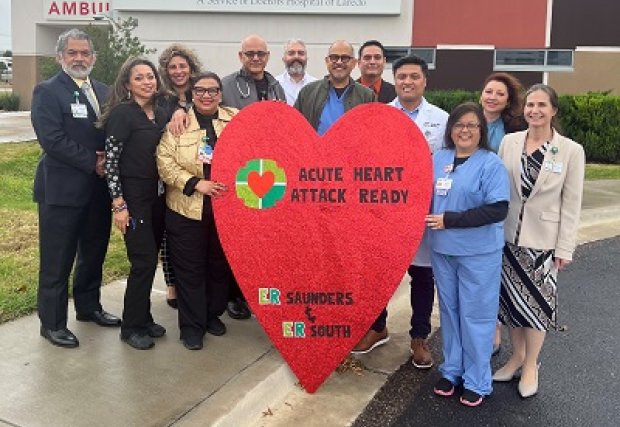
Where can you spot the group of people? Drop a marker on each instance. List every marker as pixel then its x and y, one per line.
pixel 499 228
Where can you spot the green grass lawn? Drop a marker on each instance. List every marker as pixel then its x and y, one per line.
pixel 596 171
pixel 19 254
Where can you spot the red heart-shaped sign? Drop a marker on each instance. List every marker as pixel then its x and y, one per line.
pixel 320 230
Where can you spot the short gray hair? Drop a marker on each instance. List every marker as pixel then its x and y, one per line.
pixel 293 41
pixel 75 34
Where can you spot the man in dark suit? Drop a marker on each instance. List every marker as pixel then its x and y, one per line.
pixel 371 63
pixel 74 204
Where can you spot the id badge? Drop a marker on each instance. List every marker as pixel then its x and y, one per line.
pixel 205 153
pixel 444 183
pixel 79 111
pixel 548 165
pixel 557 167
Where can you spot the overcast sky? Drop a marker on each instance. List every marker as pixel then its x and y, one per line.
pixel 5 25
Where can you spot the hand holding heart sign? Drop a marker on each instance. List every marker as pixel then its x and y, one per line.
pixel 320 230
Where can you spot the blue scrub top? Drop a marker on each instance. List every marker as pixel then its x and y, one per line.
pixel 481 180
pixel 496 133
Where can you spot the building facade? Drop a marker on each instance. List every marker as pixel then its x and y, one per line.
pixel 571 44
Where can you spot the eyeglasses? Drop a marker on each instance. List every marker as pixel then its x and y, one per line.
pixel 250 54
pixel 469 126
pixel 342 58
pixel 201 91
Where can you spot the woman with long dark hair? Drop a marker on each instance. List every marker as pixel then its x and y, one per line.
pixel 502 104
pixel 134 124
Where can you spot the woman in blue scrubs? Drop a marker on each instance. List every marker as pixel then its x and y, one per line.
pixel 470 202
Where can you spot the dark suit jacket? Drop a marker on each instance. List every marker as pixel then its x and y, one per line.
pixel 66 172
pixel 387 92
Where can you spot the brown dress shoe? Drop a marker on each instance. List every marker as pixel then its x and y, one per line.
pixel 421 355
pixel 371 340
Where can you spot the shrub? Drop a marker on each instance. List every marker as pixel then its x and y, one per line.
pixel 593 120
pixel 9 102
pixel 448 99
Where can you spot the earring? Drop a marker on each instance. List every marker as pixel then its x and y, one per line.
pixel 128 94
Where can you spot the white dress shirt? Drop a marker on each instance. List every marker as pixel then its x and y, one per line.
pixel 291 87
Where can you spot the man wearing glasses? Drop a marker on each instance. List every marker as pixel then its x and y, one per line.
pixel 371 64
pixel 294 77
pixel 72 196
pixel 251 83
pixel 325 101
pixel 240 89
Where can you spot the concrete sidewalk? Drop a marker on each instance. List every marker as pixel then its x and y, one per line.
pixel 16 127
pixel 237 380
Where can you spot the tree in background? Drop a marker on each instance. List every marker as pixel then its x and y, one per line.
pixel 7 53
pixel 114 44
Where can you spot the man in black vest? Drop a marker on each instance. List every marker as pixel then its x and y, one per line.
pixel 74 204
pixel 371 58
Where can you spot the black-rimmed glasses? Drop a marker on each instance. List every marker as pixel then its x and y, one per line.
pixel 201 91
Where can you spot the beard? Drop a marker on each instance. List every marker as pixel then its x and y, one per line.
pixel 80 72
pixel 295 68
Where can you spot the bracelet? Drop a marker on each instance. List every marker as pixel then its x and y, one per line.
pixel 120 208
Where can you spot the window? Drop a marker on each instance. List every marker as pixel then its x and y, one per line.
pixel 533 60
pixel 392 53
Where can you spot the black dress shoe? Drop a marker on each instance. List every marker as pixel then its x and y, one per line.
pixel 138 341
pixel 238 309
pixel 62 337
pixel 101 318
pixel 192 342
pixel 216 327
pixel 155 330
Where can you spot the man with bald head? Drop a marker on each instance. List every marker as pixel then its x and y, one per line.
pixel 325 101
pixel 251 83
pixel 240 89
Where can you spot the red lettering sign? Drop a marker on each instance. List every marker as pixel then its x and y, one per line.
pixel 77 8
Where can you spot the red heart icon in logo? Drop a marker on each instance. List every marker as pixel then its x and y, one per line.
pixel 320 252
pixel 261 184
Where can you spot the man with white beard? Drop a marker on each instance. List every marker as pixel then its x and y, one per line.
pixel 294 77
pixel 72 196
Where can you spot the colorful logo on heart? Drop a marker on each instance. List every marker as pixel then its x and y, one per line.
pixel 260 183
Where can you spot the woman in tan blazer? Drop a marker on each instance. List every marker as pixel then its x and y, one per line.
pixel 546 174
pixel 184 164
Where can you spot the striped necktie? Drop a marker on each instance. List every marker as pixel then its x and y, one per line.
pixel 88 91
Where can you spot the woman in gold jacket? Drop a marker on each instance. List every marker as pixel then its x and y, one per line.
pixel 184 164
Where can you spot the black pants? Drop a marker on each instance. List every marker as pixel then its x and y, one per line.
pixel 422 298
pixel 202 271
pixel 142 241
pixel 67 232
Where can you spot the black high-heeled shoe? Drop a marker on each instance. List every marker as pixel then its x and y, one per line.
pixel 172 302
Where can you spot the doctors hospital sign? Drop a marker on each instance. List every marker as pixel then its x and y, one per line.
pixel 322 7
pixel 74 10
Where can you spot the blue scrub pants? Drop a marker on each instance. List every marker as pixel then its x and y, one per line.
pixel 468 289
